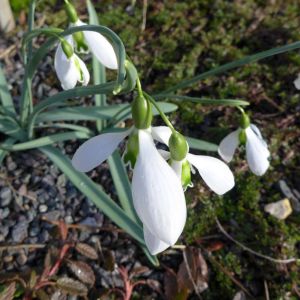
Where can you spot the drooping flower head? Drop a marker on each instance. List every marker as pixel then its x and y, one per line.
pixel 213 171
pixel 69 68
pixel 257 152
pixel 158 197
pixel 93 41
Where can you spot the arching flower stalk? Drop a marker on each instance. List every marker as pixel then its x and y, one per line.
pixel 257 152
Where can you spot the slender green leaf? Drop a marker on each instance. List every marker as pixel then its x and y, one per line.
pixel 204 101
pixel 26 95
pixel 5 97
pixel 122 184
pixel 61 98
pixel 67 126
pixel 47 140
pixel 95 113
pixel 201 145
pixel 7 143
pixel 96 195
pixel 80 113
pixel 99 73
pixel 235 64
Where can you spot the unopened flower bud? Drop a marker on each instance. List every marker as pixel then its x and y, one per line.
pixel 71 12
pixel 244 121
pixel 67 48
pixel 141 112
pixel 132 150
pixel 178 146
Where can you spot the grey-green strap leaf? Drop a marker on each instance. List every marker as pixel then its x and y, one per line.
pixel 204 101
pixel 96 195
pixel 6 99
pixel 201 145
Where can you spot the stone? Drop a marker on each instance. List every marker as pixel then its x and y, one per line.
pixel 5 196
pixel 280 209
pixel 20 232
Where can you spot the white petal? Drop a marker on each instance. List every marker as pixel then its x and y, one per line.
pixel 177 167
pixel 65 69
pixel 101 47
pixel 85 72
pixel 258 133
pixel 228 145
pixel 96 150
pixel 165 154
pixel 257 153
pixel 297 82
pixel 154 244
pixel 157 193
pixel 161 134
pixel 214 172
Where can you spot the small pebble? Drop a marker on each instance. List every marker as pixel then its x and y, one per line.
pixel 43 208
pixel 20 232
pixel 6 196
pixel 4 212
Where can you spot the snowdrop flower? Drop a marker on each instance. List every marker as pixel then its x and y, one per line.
pixel 213 171
pixel 157 194
pixel 69 68
pixel 297 82
pixel 96 42
pixel 257 152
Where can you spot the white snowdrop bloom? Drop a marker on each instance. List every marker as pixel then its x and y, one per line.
pixel 158 197
pixel 100 47
pixel 297 82
pixel 215 173
pixel 257 152
pixel 70 69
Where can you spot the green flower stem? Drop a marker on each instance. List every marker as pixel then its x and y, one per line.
pixel 162 114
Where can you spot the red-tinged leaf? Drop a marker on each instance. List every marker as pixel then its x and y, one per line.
pixel 193 271
pixel 86 250
pixel 138 271
pixel 8 293
pixel 82 271
pixel 71 286
pixel 215 246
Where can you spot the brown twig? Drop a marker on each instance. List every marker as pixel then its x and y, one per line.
pixel 22 246
pixel 280 261
pixel 266 290
pixel 190 275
